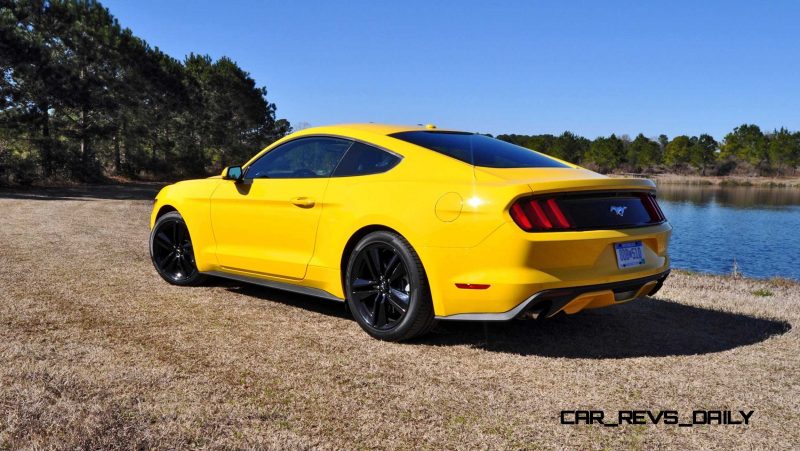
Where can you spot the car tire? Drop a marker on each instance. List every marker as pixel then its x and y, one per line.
pixel 172 253
pixel 387 289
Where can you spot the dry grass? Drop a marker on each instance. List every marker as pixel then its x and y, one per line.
pixel 98 352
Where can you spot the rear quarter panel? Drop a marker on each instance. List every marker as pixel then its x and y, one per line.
pixel 405 199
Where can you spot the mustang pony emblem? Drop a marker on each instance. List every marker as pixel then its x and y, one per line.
pixel 619 210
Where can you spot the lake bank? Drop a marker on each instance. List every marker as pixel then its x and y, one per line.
pixel 724 181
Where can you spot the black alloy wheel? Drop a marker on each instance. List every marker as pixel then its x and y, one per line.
pixel 172 252
pixel 380 286
pixel 386 288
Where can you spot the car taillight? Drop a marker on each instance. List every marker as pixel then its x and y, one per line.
pixel 602 210
pixel 539 214
pixel 650 204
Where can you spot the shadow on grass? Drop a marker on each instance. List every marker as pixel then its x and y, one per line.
pixel 128 191
pixel 645 328
pixel 310 303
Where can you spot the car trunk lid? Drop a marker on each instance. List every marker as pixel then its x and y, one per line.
pixel 548 180
pixel 576 199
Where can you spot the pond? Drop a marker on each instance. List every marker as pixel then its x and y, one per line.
pixel 715 228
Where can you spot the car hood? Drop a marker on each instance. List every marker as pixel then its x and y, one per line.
pixel 542 180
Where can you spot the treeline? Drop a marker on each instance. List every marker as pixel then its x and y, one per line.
pixel 82 98
pixel 747 150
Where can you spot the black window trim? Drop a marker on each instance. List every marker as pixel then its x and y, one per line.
pixel 246 169
pixel 374 146
pixel 453 132
pixel 444 132
pixel 331 135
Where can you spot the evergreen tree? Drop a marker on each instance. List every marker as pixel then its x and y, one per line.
pixel 783 149
pixel 82 98
pixel 569 147
pixel 677 151
pixel 703 152
pixel 643 153
pixel 747 143
pixel 605 153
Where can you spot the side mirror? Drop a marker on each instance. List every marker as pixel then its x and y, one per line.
pixel 232 173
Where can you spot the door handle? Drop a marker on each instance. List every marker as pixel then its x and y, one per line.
pixel 303 202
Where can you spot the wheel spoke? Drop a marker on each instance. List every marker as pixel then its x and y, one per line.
pixel 162 263
pixel 163 240
pixel 380 321
pixel 160 244
pixel 181 267
pixel 361 296
pixel 171 264
pixel 374 259
pixel 392 265
pixel 181 234
pixel 363 284
pixel 398 299
pixel 187 265
pixel 375 307
pixel 396 272
pixel 175 233
pixel 362 289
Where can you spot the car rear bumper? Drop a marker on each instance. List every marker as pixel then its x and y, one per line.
pixel 516 267
pixel 572 299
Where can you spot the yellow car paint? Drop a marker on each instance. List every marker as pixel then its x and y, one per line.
pixel 455 216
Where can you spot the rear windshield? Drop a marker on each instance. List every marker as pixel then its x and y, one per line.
pixel 479 150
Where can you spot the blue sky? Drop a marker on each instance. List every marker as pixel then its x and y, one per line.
pixel 594 68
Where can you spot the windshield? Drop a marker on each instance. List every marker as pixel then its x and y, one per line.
pixel 479 150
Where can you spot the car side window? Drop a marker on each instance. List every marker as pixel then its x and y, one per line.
pixel 363 159
pixel 313 157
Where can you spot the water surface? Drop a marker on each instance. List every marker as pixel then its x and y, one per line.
pixel 713 227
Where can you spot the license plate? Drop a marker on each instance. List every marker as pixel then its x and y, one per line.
pixel 629 254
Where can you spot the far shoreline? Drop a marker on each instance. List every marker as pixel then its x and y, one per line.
pixel 718 181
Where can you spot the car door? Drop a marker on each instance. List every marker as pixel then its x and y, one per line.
pixel 266 223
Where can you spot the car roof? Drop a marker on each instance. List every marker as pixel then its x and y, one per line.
pixel 377 129
pixel 370 132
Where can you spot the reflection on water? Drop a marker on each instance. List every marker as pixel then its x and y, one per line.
pixel 735 196
pixel 758 228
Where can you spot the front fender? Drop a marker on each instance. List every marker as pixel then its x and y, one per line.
pixel 192 199
pixel 159 203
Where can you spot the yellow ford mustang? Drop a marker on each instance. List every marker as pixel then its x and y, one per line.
pixel 409 225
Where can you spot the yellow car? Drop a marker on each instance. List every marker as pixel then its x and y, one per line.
pixel 410 225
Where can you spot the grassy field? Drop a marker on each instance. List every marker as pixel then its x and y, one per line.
pixel 98 352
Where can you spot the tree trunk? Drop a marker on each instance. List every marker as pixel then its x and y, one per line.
pixel 117 150
pixel 46 149
pixel 85 148
pixel 153 154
